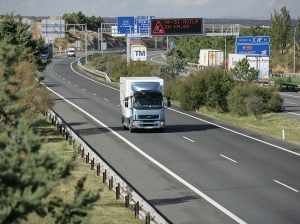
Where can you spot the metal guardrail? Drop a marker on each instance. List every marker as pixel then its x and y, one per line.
pixel 95 72
pixel 133 199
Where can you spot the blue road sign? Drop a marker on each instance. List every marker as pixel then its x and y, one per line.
pixel 171 44
pixel 253 45
pixel 143 24
pixel 125 25
pixel 262 49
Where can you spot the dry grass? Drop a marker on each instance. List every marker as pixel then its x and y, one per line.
pixel 107 209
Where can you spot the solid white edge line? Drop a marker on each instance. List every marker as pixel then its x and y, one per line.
pixel 238 133
pixel 188 139
pixel 286 186
pixel 289 95
pixel 228 158
pixel 293 113
pixel 211 201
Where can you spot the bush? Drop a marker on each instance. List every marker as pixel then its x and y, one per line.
pixel 208 87
pixel 270 101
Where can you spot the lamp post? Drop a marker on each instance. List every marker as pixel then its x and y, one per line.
pixel 226 44
pixel 86 44
pixel 295 48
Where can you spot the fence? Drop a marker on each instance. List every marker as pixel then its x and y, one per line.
pixel 132 198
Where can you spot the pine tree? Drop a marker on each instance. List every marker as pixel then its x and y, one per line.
pixel 29 176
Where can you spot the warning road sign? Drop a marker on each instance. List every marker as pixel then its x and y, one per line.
pixel 158 28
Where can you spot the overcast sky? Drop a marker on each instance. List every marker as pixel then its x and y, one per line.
pixel 157 8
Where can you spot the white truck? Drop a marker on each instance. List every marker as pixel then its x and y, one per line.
pixel 259 62
pixel 142 103
pixel 138 53
pixel 71 52
pixel 209 57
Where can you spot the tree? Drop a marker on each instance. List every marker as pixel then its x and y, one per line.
pixel 242 71
pixel 28 176
pixel 280 28
pixel 17 33
pixel 175 64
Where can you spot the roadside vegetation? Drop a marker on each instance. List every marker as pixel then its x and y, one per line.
pixel 41 178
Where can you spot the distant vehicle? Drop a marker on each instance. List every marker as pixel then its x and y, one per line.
pixel 208 57
pixel 47 51
pixel 142 103
pixel 259 62
pixel 71 52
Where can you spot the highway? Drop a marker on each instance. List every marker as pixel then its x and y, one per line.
pixel 200 170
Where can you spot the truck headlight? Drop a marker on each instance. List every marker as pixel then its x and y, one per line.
pixel 162 124
pixel 135 124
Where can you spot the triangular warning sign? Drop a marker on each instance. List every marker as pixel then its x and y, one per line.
pixel 158 28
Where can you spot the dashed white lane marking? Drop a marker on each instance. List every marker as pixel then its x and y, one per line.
pixel 188 139
pixel 228 158
pixel 293 189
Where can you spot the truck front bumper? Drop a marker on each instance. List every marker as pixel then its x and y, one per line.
pixel 148 124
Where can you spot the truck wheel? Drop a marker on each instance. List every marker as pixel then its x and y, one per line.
pixel 124 127
pixel 161 130
pixel 131 129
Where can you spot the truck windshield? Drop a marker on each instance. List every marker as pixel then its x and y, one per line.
pixel 148 102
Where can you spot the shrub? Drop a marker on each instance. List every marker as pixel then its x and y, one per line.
pixel 208 87
pixel 270 101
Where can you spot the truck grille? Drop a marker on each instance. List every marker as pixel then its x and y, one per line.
pixel 148 116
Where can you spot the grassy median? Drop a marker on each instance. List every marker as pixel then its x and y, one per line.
pixel 107 210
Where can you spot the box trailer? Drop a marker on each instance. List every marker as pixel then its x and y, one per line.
pixel 259 62
pixel 209 57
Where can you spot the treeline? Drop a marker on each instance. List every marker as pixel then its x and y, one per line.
pixel 93 23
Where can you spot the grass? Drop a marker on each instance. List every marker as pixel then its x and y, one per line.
pixel 272 124
pixel 107 210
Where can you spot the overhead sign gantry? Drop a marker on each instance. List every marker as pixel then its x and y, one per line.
pixel 177 27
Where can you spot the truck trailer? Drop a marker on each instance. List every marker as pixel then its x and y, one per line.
pixel 142 103
pixel 259 62
pixel 47 51
pixel 209 57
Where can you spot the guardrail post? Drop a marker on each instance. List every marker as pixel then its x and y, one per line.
pixel 57 126
pixel 82 153
pixel 92 164
pixel 79 149
pixel 137 210
pixel 111 183
pixel 104 176
pixel 98 170
pixel 148 218
pixel 127 201
pixel 70 140
pixel 64 131
pixel 67 135
pixel 60 128
pixel 118 191
pixel 49 117
pixel 87 158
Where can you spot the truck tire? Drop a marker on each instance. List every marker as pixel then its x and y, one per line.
pixel 162 130
pixel 131 129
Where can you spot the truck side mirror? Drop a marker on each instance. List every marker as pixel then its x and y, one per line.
pixel 126 102
pixel 168 101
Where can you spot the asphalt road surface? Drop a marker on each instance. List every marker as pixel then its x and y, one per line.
pixel 200 170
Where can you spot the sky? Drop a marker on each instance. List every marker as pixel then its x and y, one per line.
pixel 159 8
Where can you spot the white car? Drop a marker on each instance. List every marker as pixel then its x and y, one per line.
pixel 71 52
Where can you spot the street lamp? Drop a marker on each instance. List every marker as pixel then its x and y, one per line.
pixel 225 43
pixel 295 48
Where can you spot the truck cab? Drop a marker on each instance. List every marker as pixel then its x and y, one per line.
pixel 142 103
